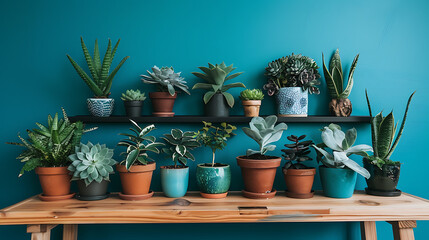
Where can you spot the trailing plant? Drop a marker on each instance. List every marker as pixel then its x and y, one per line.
pixel 215 137
pixel 91 163
pixel 251 94
pixel 297 151
pixel 180 144
pixel 133 95
pixel 292 71
pixel 166 80
pixel 50 146
pixel 101 81
pixel 264 131
pixel 138 144
pixel 216 76
pixel 342 147
pixel 383 131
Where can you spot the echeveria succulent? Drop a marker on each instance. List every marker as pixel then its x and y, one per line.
pixel 166 80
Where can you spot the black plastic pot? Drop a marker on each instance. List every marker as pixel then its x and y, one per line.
pixel 133 108
pixel 217 106
pixel 94 191
pixel 383 181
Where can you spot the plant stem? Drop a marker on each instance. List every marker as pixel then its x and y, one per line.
pixel 213 159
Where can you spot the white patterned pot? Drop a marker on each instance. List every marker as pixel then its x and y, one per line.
pixel 100 107
pixel 292 102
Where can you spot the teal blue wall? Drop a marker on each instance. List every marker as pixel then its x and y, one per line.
pixel 392 37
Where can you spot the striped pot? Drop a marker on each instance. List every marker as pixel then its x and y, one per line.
pixel 100 107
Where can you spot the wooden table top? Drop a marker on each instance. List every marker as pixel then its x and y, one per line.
pixel 194 209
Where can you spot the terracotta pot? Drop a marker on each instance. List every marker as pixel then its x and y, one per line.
pixel 137 180
pixel 162 104
pixel 258 175
pixel 299 182
pixel 55 181
pixel 251 108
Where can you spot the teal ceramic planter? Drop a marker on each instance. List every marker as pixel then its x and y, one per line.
pixel 213 180
pixel 174 181
pixel 337 182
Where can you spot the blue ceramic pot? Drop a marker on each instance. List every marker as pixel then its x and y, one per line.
pixel 337 182
pixel 100 107
pixel 292 101
pixel 213 180
pixel 174 181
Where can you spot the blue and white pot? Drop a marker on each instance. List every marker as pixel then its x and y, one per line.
pixel 292 102
pixel 100 107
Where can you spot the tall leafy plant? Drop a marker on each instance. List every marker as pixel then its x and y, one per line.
pixel 180 144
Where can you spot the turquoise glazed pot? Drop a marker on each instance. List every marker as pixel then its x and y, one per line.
pixel 174 181
pixel 100 107
pixel 292 101
pixel 213 180
pixel 337 182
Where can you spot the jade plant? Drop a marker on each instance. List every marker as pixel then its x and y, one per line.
pixel 102 78
pixel 180 144
pixel 166 80
pixel 133 95
pixel 91 163
pixel 215 77
pixel 297 152
pixel 251 94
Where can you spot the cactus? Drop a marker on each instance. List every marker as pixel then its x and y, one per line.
pixel 166 80
pixel 254 94
pixel 131 95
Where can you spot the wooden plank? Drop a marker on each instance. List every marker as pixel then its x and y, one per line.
pixel 368 231
pixel 70 232
pixel 403 230
pixel 40 231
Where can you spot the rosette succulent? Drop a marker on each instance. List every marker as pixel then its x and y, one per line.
pixel 133 95
pixel 166 80
pixel 251 94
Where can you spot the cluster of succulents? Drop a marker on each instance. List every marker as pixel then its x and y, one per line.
pixel 133 95
pixel 251 94
pixel 297 151
pixel 166 80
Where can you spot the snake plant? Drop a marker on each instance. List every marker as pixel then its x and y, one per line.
pixel 180 146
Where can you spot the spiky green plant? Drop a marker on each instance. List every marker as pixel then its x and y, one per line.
pixel 251 94
pixel 101 81
pixel 133 95
pixel 180 145
pixel 215 76
pixel 166 80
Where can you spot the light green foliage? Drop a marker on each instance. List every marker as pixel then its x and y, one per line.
pixel 342 147
pixel 383 131
pixel 133 95
pixel 264 131
pixel 251 94
pixel 91 163
pixel 216 76
pixel 180 146
pixel 334 76
pixel 50 146
pixel 138 144
pixel 166 80
pixel 101 81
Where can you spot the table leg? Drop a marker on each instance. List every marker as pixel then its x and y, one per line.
pixel 40 231
pixel 70 232
pixel 368 231
pixel 403 230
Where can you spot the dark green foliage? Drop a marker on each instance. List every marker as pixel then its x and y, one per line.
pixel 166 80
pixel 297 152
pixel 180 146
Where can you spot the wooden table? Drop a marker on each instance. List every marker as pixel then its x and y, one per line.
pixel 402 212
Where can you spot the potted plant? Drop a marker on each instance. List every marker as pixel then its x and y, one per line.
pixel 338 172
pixel 257 168
pixel 384 171
pixel 166 81
pixel 91 166
pixel 214 179
pixel 133 102
pixel 340 105
pixel 291 78
pixel 251 100
pixel 217 101
pixel 137 168
pixel 298 177
pixel 174 178
pixel 47 150
pixel 101 82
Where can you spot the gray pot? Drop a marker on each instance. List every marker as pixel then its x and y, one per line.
pixel 100 107
pixel 133 108
pixel 292 102
pixel 94 191
pixel 217 106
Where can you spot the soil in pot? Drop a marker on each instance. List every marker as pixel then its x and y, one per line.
pixel 251 108
pixel 299 182
pixel 94 191
pixel 133 108
pixel 337 182
pixel 162 104
pixel 136 181
pixel 213 181
pixel 217 106
pixel 55 182
pixel 174 180
pixel 383 181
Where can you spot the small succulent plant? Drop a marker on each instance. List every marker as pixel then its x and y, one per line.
pixel 251 94
pixel 91 163
pixel 180 146
pixel 166 80
pixel 133 95
pixel 297 151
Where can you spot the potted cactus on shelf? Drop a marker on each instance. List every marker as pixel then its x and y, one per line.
pixel 257 168
pixel 290 79
pixel 340 105
pixel 91 166
pixel 214 179
pixel 101 82
pixel 174 178
pixel 251 100
pixel 298 177
pixel 338 172
pixel 133 102
pixel 166 81
pixel 384 171
pixel 137 168
pixel 217 101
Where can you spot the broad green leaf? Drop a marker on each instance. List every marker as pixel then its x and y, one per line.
pixel 332 88
pixel 229 99
pixel 208 96
pixel 176 133
pixel 232 85
pixel 131 158
pixel 342 157
pixel 385 135
pixel 181 149
pixel 233 76
pixel 206 86
pixel 202 76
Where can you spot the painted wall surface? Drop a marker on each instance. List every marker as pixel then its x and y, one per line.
pixel 392 37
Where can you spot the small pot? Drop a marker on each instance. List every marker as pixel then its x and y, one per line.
pixel 100 107
pixel 162 104
pixel 94 191
pixel 258 176
pixel 133 108
pixel 213 182
pixel 382 181
pixel 217 106
pixel 299 182
pixel 174 181
pixel 55 181
pixel 292 102
pixel 251 107
pixel 337 182
pixel 137 180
